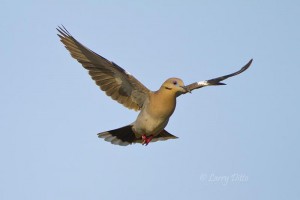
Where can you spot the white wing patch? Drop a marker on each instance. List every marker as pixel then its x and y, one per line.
pixel 126 72
pixel 202 83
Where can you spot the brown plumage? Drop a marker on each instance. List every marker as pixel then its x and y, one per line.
pixel 155 107
pixel 112 79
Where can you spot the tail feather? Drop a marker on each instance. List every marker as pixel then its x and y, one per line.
pixel 124 136
pixel 163 135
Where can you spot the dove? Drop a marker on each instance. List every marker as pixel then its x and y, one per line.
pixel 155 107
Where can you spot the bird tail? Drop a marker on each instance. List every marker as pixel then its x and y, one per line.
pixel 124 136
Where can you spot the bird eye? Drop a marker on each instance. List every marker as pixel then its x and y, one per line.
pixel 175 82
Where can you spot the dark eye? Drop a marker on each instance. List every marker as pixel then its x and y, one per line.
pixel 175 82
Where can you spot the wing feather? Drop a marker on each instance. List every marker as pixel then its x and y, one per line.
pixel 111 78
pixel 216 81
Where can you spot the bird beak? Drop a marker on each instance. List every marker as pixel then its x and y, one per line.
pixel 185 89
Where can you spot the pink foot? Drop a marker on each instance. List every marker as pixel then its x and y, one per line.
pixel 146 140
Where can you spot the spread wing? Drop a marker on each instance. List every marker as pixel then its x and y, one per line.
pixel 216 81
pixel 112 79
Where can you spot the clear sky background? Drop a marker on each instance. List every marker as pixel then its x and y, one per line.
pixel 239 141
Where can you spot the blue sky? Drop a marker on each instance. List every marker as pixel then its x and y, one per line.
pixel 238 141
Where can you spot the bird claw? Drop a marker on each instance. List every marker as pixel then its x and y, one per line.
pixel 146 140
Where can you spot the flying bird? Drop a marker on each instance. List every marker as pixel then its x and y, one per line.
pixel 155 107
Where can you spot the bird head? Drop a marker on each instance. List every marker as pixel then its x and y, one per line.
pixel 174 85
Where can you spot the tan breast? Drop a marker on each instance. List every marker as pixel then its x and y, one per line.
pixel 155 114
pixel 162 104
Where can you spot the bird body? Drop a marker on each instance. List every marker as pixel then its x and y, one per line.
pixel 155 108
pixel 156 112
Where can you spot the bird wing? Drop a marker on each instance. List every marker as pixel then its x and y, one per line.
pixel 111 78
pixel 216 81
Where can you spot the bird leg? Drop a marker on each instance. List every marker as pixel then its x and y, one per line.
pixel 146 140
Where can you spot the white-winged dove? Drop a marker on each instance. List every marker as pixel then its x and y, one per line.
pixel 155 107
